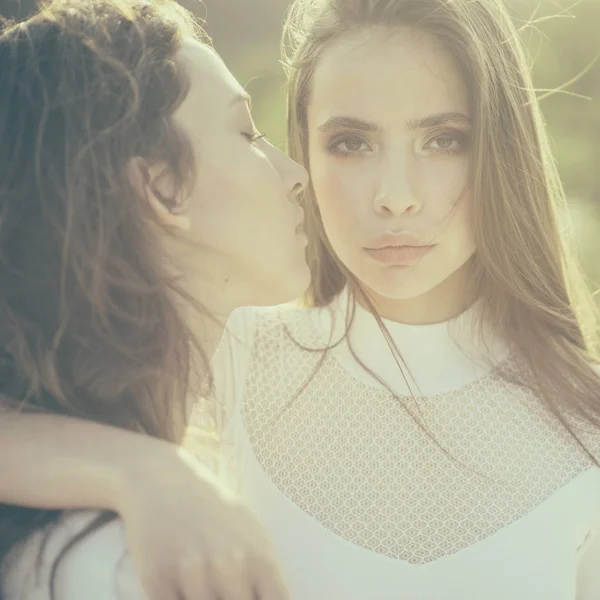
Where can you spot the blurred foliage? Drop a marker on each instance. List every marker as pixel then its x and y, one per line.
pixel 564 45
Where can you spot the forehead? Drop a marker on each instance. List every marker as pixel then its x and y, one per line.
pixel 211 85
pixel 382 71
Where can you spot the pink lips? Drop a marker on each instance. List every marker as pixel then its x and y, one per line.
pixel 399 250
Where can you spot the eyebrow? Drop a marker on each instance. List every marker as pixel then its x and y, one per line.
pixel 336 123
pixel 242 97
pixel 344 122
pixel 438 119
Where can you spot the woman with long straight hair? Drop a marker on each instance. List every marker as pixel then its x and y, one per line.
pixel 424 424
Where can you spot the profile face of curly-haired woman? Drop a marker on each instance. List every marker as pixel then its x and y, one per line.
pixel 242 211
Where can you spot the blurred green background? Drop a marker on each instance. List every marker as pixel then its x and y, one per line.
pixel 563 38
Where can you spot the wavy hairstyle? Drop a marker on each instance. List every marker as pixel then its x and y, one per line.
pixel 91 322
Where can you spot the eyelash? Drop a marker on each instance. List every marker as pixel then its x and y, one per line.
pixel 254 137
pixel 333 146
pixel 461 137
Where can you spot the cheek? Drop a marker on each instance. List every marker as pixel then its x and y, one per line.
pixel 444 186
pixel 241 211
pixel 464 215
pixel 222 190
pixel 342 196
pixel 211 199
pixel 221 209
pixel 459 236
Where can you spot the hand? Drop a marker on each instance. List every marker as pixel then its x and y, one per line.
pixel 191 540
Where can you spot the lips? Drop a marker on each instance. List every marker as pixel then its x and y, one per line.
pixel 398 249
pixel 400 256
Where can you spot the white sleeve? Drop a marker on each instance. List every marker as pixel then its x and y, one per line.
pixel 230 365
pixel 588 573
pixel 97 568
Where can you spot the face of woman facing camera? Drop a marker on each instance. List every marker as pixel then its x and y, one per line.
pixel 242 240
pixel 389 129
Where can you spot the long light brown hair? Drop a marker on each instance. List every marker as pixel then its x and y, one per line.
pixel 531 289
pixel 90 310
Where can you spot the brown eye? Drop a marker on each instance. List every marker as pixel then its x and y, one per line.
pixel 353 144
pixel 449 142
pixel 445 141
pixel 347 145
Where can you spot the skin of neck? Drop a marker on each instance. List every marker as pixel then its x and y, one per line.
pixel 218 297
pixel 217 291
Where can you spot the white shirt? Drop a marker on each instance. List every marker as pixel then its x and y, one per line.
pixel 359 500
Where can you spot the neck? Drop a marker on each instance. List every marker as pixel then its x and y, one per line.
pixel 209 286
pixel 442 303
pixel 217 304
pixel 411 358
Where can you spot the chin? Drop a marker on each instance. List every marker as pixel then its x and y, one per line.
pixel 399 288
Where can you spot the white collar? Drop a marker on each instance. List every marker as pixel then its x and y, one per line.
pixel 440 358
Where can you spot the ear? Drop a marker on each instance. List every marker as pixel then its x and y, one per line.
pixel 146 181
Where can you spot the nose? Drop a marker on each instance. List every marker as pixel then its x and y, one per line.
pixel 293 174
pixel 395 194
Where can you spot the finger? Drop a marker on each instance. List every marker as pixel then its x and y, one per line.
pixel 196 582
pixel 157 584
pixel 232 578
pixel 269 582
pixel 155 589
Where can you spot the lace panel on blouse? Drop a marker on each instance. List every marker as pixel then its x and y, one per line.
pixel 414 480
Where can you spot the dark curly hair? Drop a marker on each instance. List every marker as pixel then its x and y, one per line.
pixel 90 311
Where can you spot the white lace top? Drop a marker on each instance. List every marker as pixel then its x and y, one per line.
pixel 466 488
pixel 471 491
